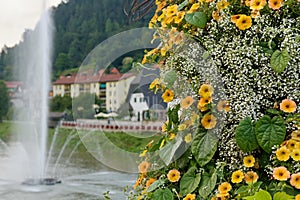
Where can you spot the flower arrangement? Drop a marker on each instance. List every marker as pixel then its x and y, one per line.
pixel 233 101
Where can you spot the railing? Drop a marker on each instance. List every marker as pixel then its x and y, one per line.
pixel 127 126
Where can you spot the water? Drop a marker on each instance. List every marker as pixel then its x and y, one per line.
pixel 25 156
pixel 33 65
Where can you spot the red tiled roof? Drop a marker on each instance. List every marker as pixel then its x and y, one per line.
pixel 13 84
pixel 96 78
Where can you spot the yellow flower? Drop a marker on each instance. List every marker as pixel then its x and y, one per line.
pixel 255 13
pixel 171 10
pixel 164 50
pixel 247 2
pixel 173 175
pixel 223 105
pixel 190 197
pixel 172 136
pixel 296 135
pixel 137 183
pixel 216 15
pixel 296 154
pixel 295 180
pixel 154 83
pixel 150 181
pixel 291 144
pixel 281 173
pixel 164 126
pixel 222 5
pixel 223 196
pixel 162 144
pixel 237 176
pixel 168 95
pixel 144 153
pixel 287 105
pixel 144 166
pixel 206 90
pixel 209 121
pixel 194 7
pixel 275 4
pixel 251 177
pixel 179 17
pixel 297 197
pixel 188 138
pixel 186 102
pixel 283 153
pixel 161 6
pixel 244 22
pixel 234 18
pixel 249 161
pixel 182 127
pixel 257 4
pixel 224 188
pixel 204 101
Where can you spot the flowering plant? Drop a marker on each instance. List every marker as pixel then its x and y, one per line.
pixel 233 122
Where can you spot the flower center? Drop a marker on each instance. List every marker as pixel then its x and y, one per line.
pixel 280 174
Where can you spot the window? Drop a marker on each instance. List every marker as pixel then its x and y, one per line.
pixel 102 86
pixel 109 93
pixel 134 100
pixel 141 99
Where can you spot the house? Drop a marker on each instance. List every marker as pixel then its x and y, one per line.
pixel 14 88
pixel 143 103
pixel 110 87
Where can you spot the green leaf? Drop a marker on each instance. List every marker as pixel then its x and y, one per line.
pixel 270 132
pixel 168 151
pixel 197 19
pixel 204 147
pixel 182 5
pixel 189 181
pixel 170 78
pixel 245 135
pixel 282 196
pixel 243 191
pixel 173 114
pixel 205 55
pixel 279 60
pixel 207 184
pixel 273 111
pixel 261 195
pixel 163 194
pixel 155 185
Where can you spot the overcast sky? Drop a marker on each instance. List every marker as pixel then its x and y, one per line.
pixel 18 15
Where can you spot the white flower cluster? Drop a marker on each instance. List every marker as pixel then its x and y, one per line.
pixel 243 61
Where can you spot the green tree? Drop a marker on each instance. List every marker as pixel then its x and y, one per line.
pixel 60 104
pixel 4 100
pixel 62 62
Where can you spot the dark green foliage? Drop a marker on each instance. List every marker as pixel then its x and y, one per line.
pixel 79 27
pixel 4 100
pixel 60 104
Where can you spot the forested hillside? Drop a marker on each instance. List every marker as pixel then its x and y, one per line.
pixel 79 26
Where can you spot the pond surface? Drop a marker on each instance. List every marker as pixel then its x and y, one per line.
pixel 82 176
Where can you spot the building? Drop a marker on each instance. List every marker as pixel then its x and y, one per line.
pixel 143 103
pixel 14 88
pixel 110 87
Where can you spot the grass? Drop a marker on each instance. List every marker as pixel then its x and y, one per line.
pixel 5 131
